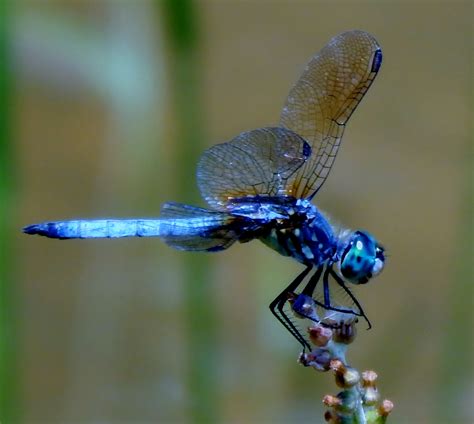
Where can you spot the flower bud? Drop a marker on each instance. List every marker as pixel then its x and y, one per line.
pixel 318 358
pixel 385 408
pixel 319 335
pixel 347 401
pixel 369 378
pixel 345 376
pixel 370 394
pixel 332 401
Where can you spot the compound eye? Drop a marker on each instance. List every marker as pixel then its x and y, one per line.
pixel 359 259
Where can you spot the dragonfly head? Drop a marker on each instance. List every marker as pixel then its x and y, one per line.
pixel 362 258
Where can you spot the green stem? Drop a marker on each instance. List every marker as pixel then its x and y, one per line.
pixel 8 410
pixel 182 30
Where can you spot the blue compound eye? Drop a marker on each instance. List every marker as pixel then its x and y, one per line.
pixel 362 259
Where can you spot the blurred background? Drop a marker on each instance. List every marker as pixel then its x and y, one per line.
pixel 106 107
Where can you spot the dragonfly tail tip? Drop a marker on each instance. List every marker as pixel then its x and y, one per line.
pixel 39 229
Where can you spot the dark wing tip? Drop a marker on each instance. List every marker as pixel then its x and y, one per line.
pixel 377 61
pixel 306 150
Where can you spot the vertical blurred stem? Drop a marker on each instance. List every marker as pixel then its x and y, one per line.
pixel 7 337
pixel 455 374
pixel 181 25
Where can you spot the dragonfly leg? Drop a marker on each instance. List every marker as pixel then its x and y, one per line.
pixel 353 298
pixel 309 291
pixel 279 302
pixel 313 281
pixel 327 299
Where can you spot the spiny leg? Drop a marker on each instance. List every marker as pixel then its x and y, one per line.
pixel 308 291
pixel 278 303
pixel 327 298
pixel 353 298
pixel 313 281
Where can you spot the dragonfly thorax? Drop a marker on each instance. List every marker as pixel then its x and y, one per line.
pixel 302 233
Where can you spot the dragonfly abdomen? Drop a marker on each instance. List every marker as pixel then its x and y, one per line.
pixel 97 228
pixel 117 228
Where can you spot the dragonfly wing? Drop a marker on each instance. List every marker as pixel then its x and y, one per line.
pixel 323 99
pixel 262 162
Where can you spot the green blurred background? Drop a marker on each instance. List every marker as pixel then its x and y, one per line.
pixel 106 106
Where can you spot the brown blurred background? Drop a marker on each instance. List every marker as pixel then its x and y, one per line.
pixel 113 103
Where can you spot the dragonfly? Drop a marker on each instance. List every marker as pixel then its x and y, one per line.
pixel 260 185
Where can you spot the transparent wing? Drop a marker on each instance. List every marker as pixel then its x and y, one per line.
pixel 186 227
pixel 261 162
pixel 323 99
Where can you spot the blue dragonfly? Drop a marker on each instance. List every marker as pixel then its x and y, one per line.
pixel 260 185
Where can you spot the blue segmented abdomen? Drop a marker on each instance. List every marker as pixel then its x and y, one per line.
pixel 99 228
pixel 116 228
pixel 181 226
